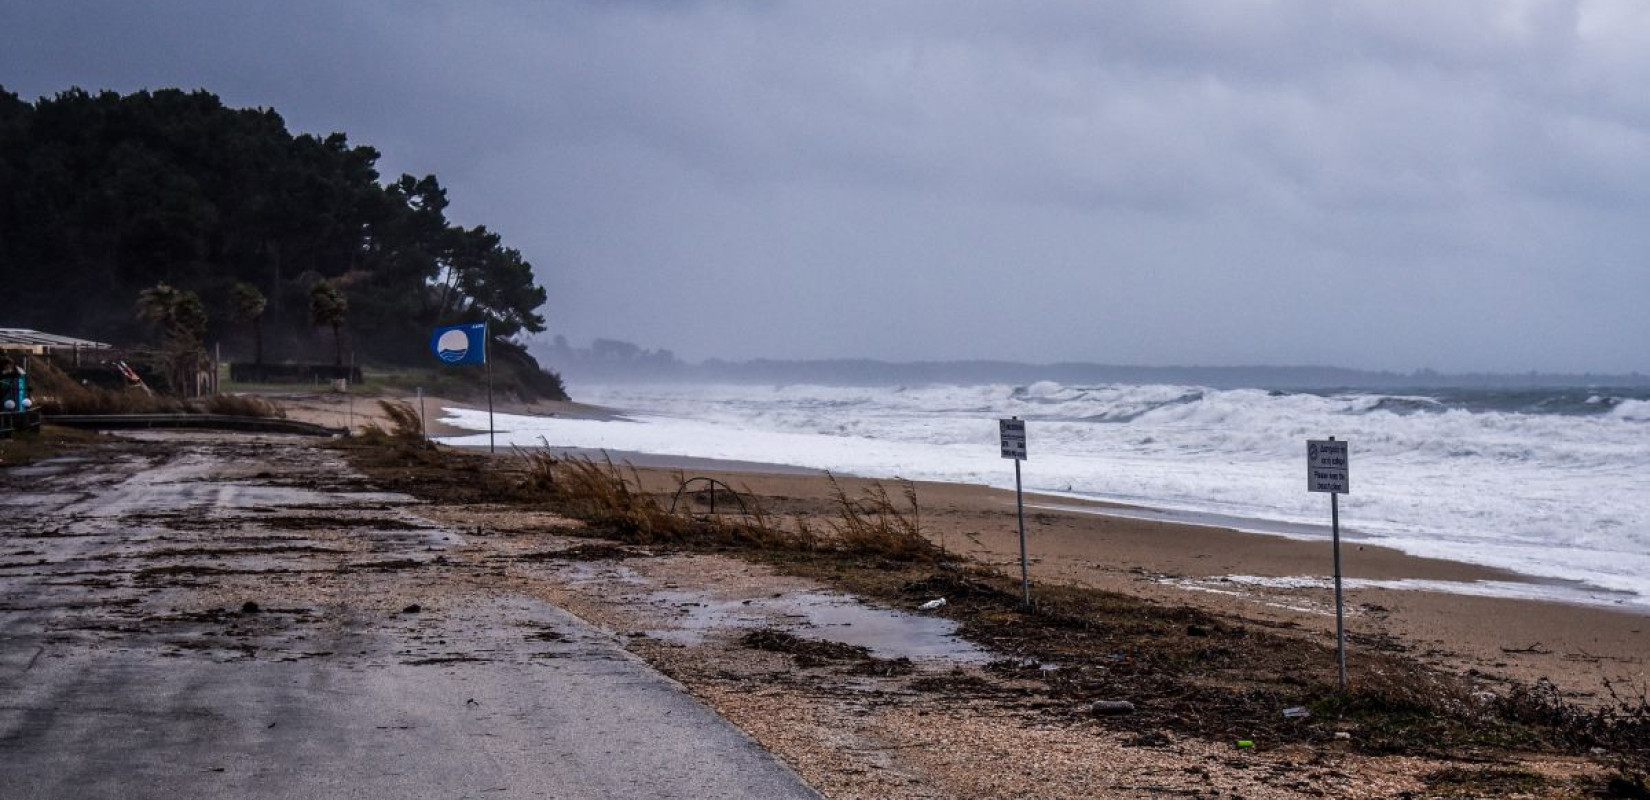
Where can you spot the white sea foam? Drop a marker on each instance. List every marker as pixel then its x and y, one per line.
pixel 1545 494
pixel 1561 593
pixel 1635 410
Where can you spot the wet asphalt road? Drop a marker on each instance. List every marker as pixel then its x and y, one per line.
pixel 131 668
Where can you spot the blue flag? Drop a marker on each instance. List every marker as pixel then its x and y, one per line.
pixel 461 344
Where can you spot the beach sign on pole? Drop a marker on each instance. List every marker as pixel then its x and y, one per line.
pixel 1328 469
pixel 1012 431
pixel 467 344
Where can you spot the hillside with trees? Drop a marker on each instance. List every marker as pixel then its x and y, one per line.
pixel 293 245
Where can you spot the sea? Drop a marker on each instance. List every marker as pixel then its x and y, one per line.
pixel 1552 483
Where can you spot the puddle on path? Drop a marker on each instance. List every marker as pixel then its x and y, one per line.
pixel 579 572
pixel 888 633
pixel 46 468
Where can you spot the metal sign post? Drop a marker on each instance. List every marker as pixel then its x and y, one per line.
pixel 1328 470
pixel 423 426
pixel 487 356
pixel 1013 432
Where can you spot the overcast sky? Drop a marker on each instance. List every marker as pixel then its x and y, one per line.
pixel 1389 185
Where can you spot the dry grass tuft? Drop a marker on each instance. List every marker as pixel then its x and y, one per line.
pixel 60 394
pixel 404 419
pixel 610 498
pixel 872 525
pixel 602 494
pixel 242 405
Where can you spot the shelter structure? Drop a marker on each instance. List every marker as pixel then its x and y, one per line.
pixel 16 342
pixel 17 345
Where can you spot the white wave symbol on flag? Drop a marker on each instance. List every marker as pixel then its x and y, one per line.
pixel 452 346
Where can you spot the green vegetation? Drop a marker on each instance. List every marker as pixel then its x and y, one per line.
pixel 110 196
pixel 249 308
pixel 182 322
pixel 62 394
pixel 328 307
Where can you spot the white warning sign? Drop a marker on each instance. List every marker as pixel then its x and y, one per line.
pixel 1327 467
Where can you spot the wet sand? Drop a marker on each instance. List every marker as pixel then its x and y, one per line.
pixel 1581 648
pixel 1578 647
pixel 356 411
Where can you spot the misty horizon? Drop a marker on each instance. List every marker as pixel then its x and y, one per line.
pixel 613 359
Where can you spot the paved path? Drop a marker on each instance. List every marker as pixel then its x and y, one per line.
pixel 130 666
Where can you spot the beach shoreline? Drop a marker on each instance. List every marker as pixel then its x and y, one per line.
pixel 1275 579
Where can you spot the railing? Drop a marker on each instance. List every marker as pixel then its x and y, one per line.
pixel 707 495
pixel 13 421
pixel 206 421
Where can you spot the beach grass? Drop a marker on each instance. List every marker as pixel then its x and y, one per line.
pixel 58 393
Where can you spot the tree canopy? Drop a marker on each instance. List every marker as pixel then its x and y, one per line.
pixel 104 195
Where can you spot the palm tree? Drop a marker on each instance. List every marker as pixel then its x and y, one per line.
pixel 249 307
pixel 182 320
pixel 155 304
pixel 328 306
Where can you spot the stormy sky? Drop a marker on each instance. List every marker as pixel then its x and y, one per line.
pixel 1453 185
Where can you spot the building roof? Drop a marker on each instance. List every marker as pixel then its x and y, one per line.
pixel 11 338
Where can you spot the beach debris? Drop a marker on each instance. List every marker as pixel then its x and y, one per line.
pixel 1150 739
pixel 1296 712
pixel 1111 708
pixel 1626 786
pixel 412 609
pixel 1343 735
pixel 1245 744
pixel 250 607
pixel 932 604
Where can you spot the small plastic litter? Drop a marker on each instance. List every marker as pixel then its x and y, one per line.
pixel 932 604
pixel 1296 712
pixel 1245 743
pixel 1342 735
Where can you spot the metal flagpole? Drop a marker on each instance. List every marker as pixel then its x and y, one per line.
pixel 487 356
pixel 1340 608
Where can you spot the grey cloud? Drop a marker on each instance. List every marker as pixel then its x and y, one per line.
pixel 1173 182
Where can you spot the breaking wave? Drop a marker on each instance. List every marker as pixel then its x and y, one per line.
pixel 1471 476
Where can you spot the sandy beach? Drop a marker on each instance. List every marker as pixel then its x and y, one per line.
pixel 357 411
pixel 1580 648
